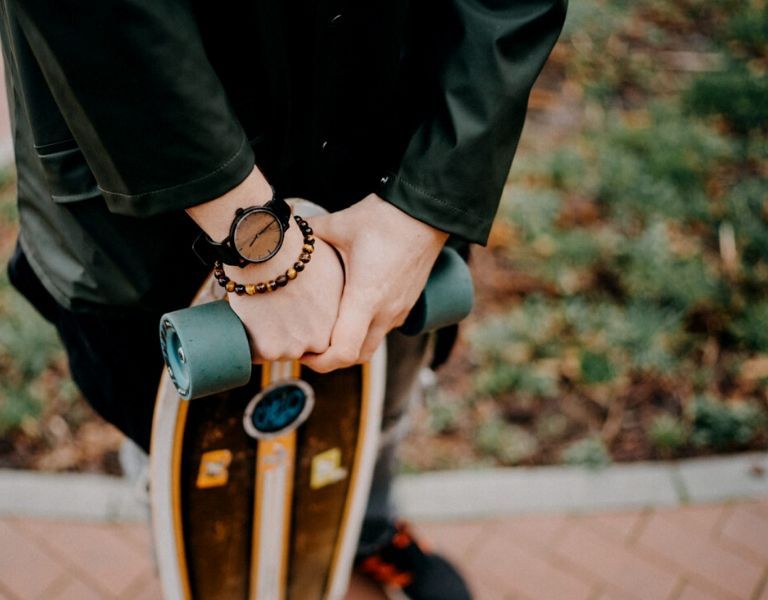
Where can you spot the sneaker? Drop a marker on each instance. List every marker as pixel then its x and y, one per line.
pixel 406 569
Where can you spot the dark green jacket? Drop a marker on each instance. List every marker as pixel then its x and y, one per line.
pixel 125 112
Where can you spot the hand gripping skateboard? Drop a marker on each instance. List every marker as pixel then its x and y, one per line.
pixel 260 473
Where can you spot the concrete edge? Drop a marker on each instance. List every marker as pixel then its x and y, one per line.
pixel 446 495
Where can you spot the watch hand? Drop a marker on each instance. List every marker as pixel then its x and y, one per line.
pixel 255 237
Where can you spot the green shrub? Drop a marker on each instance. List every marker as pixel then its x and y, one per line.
pixel 596 367
pixel 750 327
pixel 587 452
pixel 444 413
pixel 721 425
pixel 748 28
pixel 667 434
pixel 649 270
pixel 510 444
pixel 658 169
pixel 736 94
pixel 744 209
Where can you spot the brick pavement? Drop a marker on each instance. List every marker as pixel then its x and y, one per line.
pixel 701 552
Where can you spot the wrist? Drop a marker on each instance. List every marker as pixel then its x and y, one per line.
pixel 416 231
pixel 215 216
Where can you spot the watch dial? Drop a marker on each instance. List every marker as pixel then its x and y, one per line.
pixel 258 236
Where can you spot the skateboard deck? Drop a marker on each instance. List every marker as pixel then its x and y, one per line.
pixel 268 517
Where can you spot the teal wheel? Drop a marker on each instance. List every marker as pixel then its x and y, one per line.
pixel 447 298
pixel 206 349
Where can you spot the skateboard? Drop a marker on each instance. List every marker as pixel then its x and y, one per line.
pixel 260 473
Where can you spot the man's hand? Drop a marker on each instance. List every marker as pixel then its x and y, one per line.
pixel 387 257
pixel 296 319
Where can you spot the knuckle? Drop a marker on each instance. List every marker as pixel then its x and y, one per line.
pixel 268 354
pixel 294 351
pixel 318 346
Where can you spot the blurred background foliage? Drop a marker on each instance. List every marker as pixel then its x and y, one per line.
pixel 44 423
pixel 622 309
pixel 628 318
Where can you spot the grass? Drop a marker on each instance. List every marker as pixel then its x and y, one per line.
pixel 649 229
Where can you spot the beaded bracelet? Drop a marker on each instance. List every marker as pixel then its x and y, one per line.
pixel 273 284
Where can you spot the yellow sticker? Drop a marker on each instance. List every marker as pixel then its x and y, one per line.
pixel 327 469
pixel 214 469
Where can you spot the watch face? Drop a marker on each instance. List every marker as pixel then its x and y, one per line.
pixel 258 235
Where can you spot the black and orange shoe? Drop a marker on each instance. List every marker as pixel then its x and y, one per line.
pixel 406 569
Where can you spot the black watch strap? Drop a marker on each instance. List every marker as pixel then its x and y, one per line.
pixel 209 251
pixel 282 210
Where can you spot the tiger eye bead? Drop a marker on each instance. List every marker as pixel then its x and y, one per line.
pixel 272 285
pixel 282 281
pixel 304 257
pixel 299 266
pixel 310 239
pixel 291 273
pixel 261 288
pixel 239 289
pixel 250 289
pixel 307 230
pixel 309 249
pixel 230 286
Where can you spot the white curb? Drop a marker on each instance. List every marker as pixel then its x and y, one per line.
pixel 443 495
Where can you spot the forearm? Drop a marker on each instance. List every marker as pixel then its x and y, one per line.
pixel 215 216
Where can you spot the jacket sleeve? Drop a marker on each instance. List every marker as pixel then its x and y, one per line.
pixel 142 102
pixel 479 59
